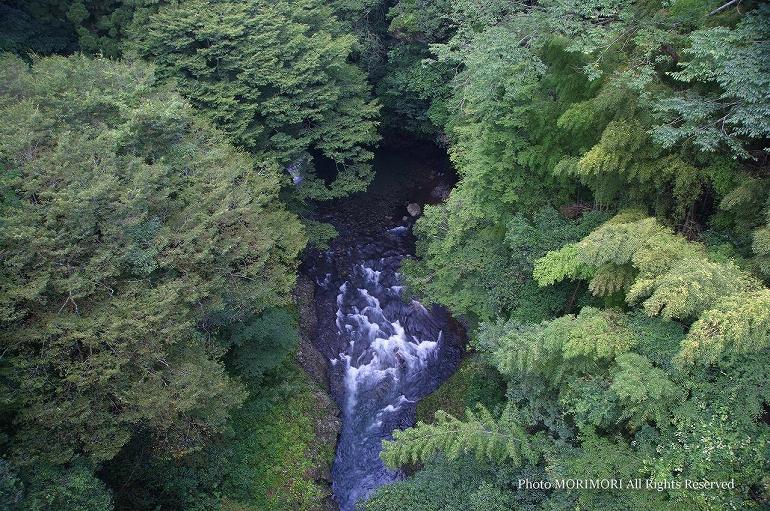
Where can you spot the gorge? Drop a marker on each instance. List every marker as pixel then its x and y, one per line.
pixel 385 350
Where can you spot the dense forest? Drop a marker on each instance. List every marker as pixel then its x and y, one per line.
pixel 606 247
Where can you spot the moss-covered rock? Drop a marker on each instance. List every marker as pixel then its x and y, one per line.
pixel 472 383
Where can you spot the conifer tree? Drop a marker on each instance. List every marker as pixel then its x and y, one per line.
pixel 276 78
pixel 131 233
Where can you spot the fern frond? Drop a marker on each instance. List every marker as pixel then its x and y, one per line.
pixel 480 433
pixel 739 323
pixel 558 265
pixel 610 279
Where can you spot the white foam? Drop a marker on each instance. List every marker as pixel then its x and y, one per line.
pixel 382 356
pixel 372 275
pixel 372 301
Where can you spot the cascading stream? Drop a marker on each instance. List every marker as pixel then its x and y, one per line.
pixel 384 350
pixel 392 352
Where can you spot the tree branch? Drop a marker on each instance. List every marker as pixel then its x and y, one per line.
pixel 723 7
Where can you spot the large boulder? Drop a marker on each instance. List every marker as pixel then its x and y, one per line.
pixel 413 209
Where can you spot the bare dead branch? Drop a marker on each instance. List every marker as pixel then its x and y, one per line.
pixel 723 7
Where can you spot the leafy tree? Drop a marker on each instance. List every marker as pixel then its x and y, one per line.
pixel 734 114
pixel 276 78
pixel 146 261
pixel 487 271
pixel 11 487
pixel 737 324
pixel 132 234
pixel 74 488
pixel 638 107
pixel 33 27
pixel 653 257
pixel 480 433
pixel 463 483
pixel 65 26
pixel 261 343
pixel 645 392
pixel 411 92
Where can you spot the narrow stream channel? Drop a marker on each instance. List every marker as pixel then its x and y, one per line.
pixel 386 351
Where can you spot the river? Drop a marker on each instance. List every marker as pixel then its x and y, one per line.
pixel 385 350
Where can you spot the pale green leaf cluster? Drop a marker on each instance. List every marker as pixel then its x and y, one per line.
pixel 739 323
pixel 479 433
pixel 670 277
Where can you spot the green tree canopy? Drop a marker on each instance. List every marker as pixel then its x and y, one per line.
pixel 131 234
pixel 276 78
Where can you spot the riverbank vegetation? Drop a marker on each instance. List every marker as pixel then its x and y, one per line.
pixel 607 246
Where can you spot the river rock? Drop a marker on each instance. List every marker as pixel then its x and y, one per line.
pixel 440 192
pixel 309 358
pixel 413 209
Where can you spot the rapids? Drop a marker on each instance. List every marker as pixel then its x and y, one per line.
pixel 386 351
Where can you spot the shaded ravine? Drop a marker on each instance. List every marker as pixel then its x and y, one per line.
pixel 386 351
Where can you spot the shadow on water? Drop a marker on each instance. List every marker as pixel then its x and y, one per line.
pixel 386 351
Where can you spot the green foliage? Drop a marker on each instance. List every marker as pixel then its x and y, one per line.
pixel 557 265
pixel 473 382
pixel 25 27
pixel 367 21
pixel 470 275
pixel 74 488
pixel 11 487
pixel 560 349
pixel 143 254
pixel 464 483
pixel 645 393
pixel 607 458
pixel 271 457
pixel 487 271
pixel 639 107
pixel 421 20
pixel 277 455
pixel 319 234
pixel 412 90
pixel 414 87
pixel 624 155
pixel 674 279
pixel 710 444
pixel 131 233
pixel 671 275
pixel 261 343
pixel 739 323
pixel 62 26
pixel 689 288
pixel 613 375
pixel 734 114
pixel 479 433
pixel 275 77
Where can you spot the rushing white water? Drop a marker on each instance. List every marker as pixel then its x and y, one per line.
pixel 392 354
pixel 389 356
